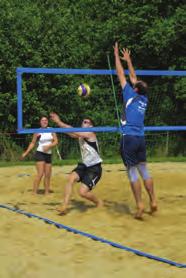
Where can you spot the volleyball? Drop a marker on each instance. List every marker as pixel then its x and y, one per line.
pixel 83 90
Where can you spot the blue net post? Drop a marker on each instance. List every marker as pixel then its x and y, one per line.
pixel 19 101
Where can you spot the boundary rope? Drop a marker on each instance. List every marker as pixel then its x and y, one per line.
pixel 111 243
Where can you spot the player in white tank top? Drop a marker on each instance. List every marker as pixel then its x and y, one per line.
pixel 90 155
pixel 46 141
pixel 88 172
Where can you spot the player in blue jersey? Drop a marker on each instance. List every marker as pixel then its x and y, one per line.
pixel 133 149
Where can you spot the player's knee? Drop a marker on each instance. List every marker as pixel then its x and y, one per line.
pixel 48 175
pixel 142 168
pixel 40 175
pixel 82 192
pixel 132 173
pixel 72 178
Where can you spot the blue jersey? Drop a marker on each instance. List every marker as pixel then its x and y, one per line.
pixel 134 109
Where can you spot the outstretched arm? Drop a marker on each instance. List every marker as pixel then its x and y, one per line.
pixel 119 67
pixel 126 57
pixel 55 118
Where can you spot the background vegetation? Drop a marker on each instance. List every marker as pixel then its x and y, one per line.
pixel 78 34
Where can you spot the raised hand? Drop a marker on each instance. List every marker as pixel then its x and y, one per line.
pixel 125 54
pixel 54 117
pixel 116 49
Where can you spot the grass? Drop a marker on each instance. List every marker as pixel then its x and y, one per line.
pixel 113 160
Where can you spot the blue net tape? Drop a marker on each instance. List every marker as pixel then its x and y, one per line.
pixel 99 72
pixel 98 129
pixel 111 243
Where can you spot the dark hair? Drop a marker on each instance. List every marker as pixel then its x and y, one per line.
pixel 142 87
pixel 44 116
pixel 90 119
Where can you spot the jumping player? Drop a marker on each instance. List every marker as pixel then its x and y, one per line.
pixel 133 149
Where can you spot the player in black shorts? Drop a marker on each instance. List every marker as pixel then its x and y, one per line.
pixel 133 150
pixel 89 171
pixel 43 156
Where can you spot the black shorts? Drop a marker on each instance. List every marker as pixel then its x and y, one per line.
pixel 89 175
pixel 40 156
pixel 133 149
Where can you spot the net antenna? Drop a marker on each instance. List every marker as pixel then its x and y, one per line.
pixel 58 153
pixel 113 90
pixel 21 71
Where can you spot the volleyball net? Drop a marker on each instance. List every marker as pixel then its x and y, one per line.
pixel 43 90
pixel 59 93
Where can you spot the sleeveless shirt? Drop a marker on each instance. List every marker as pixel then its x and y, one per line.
pixel 89 152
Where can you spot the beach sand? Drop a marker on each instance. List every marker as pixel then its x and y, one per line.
pixel 31 248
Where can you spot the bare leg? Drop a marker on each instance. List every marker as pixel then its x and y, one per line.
pixel 136 189
pixel 87 194
pixel 40 172
pixel 48 172
pixel 73 177
pixel 148 183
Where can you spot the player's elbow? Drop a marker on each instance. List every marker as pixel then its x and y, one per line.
pixel 56 142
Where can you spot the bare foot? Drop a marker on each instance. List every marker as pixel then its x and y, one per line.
pixel 99 204
pixel 139 213
pixel 62 209
pixel 153 208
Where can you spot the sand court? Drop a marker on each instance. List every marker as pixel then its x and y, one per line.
pixel 31 248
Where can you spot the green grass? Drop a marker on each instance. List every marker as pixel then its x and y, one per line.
pixel 167 159
pixel 113 160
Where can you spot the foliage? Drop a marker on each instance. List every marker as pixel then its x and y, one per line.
pixel 78 34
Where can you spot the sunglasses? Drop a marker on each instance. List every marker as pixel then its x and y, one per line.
pixel 86 122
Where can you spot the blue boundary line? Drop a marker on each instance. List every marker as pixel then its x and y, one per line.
pixel 113 244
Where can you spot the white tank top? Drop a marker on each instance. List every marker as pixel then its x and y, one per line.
pixel 45 139
pixel 90 156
